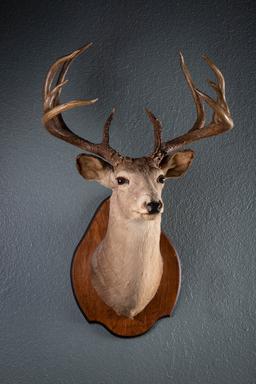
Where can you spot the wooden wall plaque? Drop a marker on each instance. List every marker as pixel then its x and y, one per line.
pixel 95 310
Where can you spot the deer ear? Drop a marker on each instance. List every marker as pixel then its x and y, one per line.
pixel 95 169
pixel 177 164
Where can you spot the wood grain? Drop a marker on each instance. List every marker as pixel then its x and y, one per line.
pixel 95 310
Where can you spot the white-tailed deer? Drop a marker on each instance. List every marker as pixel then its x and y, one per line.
pixel 127 265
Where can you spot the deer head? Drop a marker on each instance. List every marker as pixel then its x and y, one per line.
pixel 136 183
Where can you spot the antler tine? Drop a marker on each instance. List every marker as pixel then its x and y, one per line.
pixel 65 62
pixel 221 120
pixel 199 123
pixel 157 131
pixel 52 117
pixel 107 124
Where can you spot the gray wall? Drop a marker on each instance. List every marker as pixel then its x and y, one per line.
pixel 46 206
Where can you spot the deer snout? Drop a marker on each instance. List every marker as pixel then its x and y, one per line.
pixel 154 207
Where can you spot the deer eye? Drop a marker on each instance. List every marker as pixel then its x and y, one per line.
pixel 122 180
pixel 161 179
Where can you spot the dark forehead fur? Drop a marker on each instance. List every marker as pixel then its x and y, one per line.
pixel 142 164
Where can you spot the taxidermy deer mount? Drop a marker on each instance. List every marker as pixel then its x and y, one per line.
pixel 127 265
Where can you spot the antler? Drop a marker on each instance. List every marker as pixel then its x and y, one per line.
pixel 52 117
pixel 221 120
pixel 54 123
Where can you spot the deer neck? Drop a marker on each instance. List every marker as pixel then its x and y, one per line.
pixel 127 265
pixel 132 239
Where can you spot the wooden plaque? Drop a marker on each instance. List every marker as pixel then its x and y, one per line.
pixel 95 310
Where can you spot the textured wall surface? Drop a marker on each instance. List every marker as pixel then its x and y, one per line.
pixel 46 206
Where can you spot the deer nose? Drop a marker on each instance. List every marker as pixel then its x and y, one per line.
pixel 154 207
